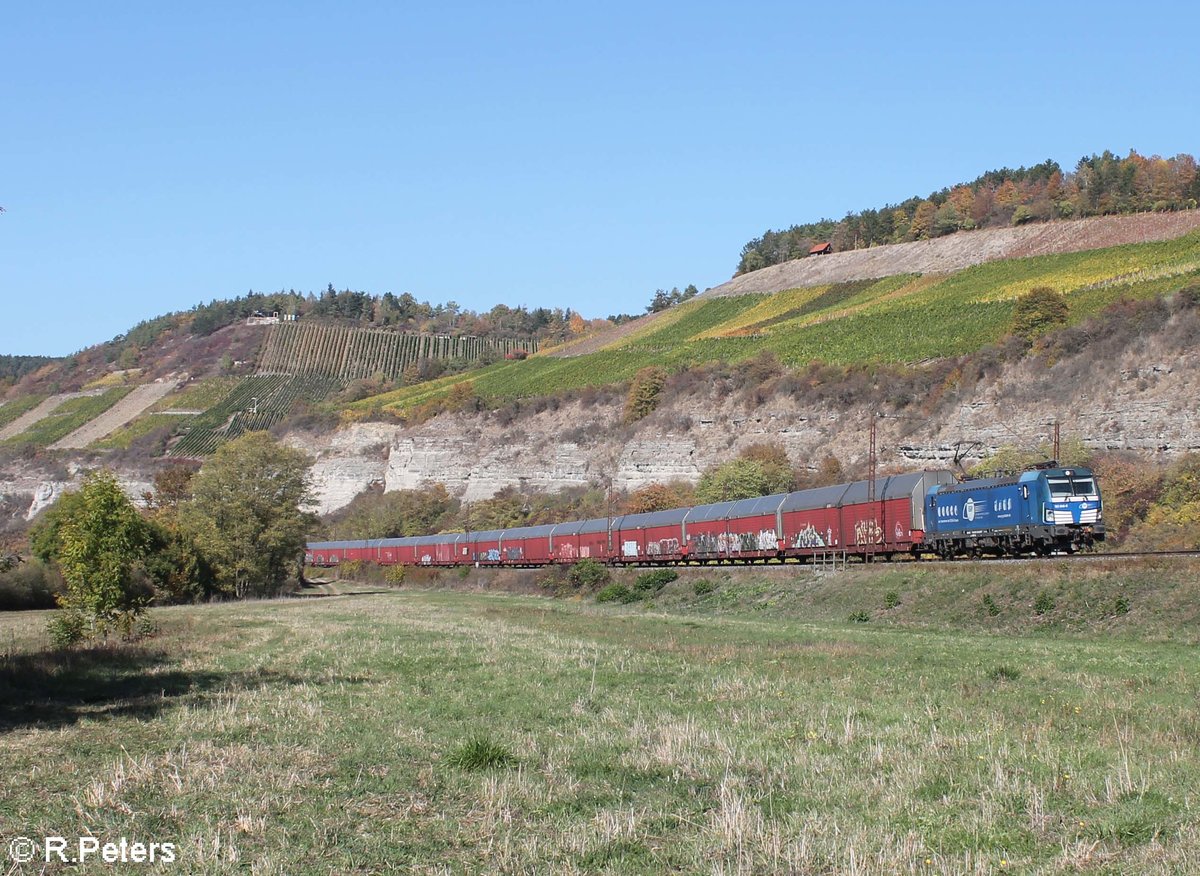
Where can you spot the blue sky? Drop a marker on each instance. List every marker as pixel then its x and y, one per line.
pixel 155 155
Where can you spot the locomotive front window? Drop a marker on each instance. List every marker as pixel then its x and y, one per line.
pixel 1084 486
pixel 1059 487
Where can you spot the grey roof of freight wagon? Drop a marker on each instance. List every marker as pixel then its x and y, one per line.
pixel 715 511
pixel 758 506
pixel 443 538
pixel 820 497
pixel 484 535
pixel 391 542
pixel 651 518
pixel 326 545
pixel 570 527
pixel 890 487
pixel 595 524
pixel 542 529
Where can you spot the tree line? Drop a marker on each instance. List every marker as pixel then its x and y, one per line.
pixel 13 368
pixel 402 312
pixel 1099 185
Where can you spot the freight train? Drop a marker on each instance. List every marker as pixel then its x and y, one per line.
pixel 1039 512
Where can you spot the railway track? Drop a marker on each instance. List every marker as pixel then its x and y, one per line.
pixel 840 562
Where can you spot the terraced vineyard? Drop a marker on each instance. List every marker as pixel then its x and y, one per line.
pixel 254 403
pixel 907 318
pixel 10 410
pixel 68 417
pixel 351 353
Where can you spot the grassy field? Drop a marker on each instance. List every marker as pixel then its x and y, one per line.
pixel 449 732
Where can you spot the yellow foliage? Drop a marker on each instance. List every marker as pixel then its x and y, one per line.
pixel 114 378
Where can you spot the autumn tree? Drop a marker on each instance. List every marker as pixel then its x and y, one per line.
pixel 177 568
pixel 921 226
pixel 172 486
pixel 829 471
pixel 246 514
pixel 97 538
pixel 644 393
pixel 1038 311
pixel 736 479
pixel 660 497
pixel 462 397
pixel 1173 521
pixel 777 468
pixel 760 470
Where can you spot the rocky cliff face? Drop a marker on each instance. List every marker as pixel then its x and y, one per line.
pixel 26 489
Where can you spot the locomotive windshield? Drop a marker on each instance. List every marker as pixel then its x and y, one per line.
pixel 1059 486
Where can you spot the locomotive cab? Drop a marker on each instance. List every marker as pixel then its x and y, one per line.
pixel 1069 497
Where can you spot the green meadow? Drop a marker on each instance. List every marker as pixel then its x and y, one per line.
pixel 745 724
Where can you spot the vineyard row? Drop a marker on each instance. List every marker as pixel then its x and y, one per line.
pixel 351 353
pixel 255 403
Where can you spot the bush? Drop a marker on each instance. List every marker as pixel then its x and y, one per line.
pixel 703 587
pixel 1188 298
pixel 644 392
pixel 1121 606
pixel 647 585
pixel 1043 604
pixel 394 575
pixel 588 573
pixel 860 617
pixel 1038 311
pixel 614 593
pixel 891 599
pixel 30 585
pixel 989 605
pixel 66 628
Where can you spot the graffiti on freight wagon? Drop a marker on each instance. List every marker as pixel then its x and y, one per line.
pixel 808 537
pixel 733 542
pixel 868 532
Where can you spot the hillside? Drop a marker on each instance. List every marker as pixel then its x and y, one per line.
pixel 803 366
pixel 901 318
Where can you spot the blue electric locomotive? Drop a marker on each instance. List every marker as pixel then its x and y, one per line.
pixel 1038 512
